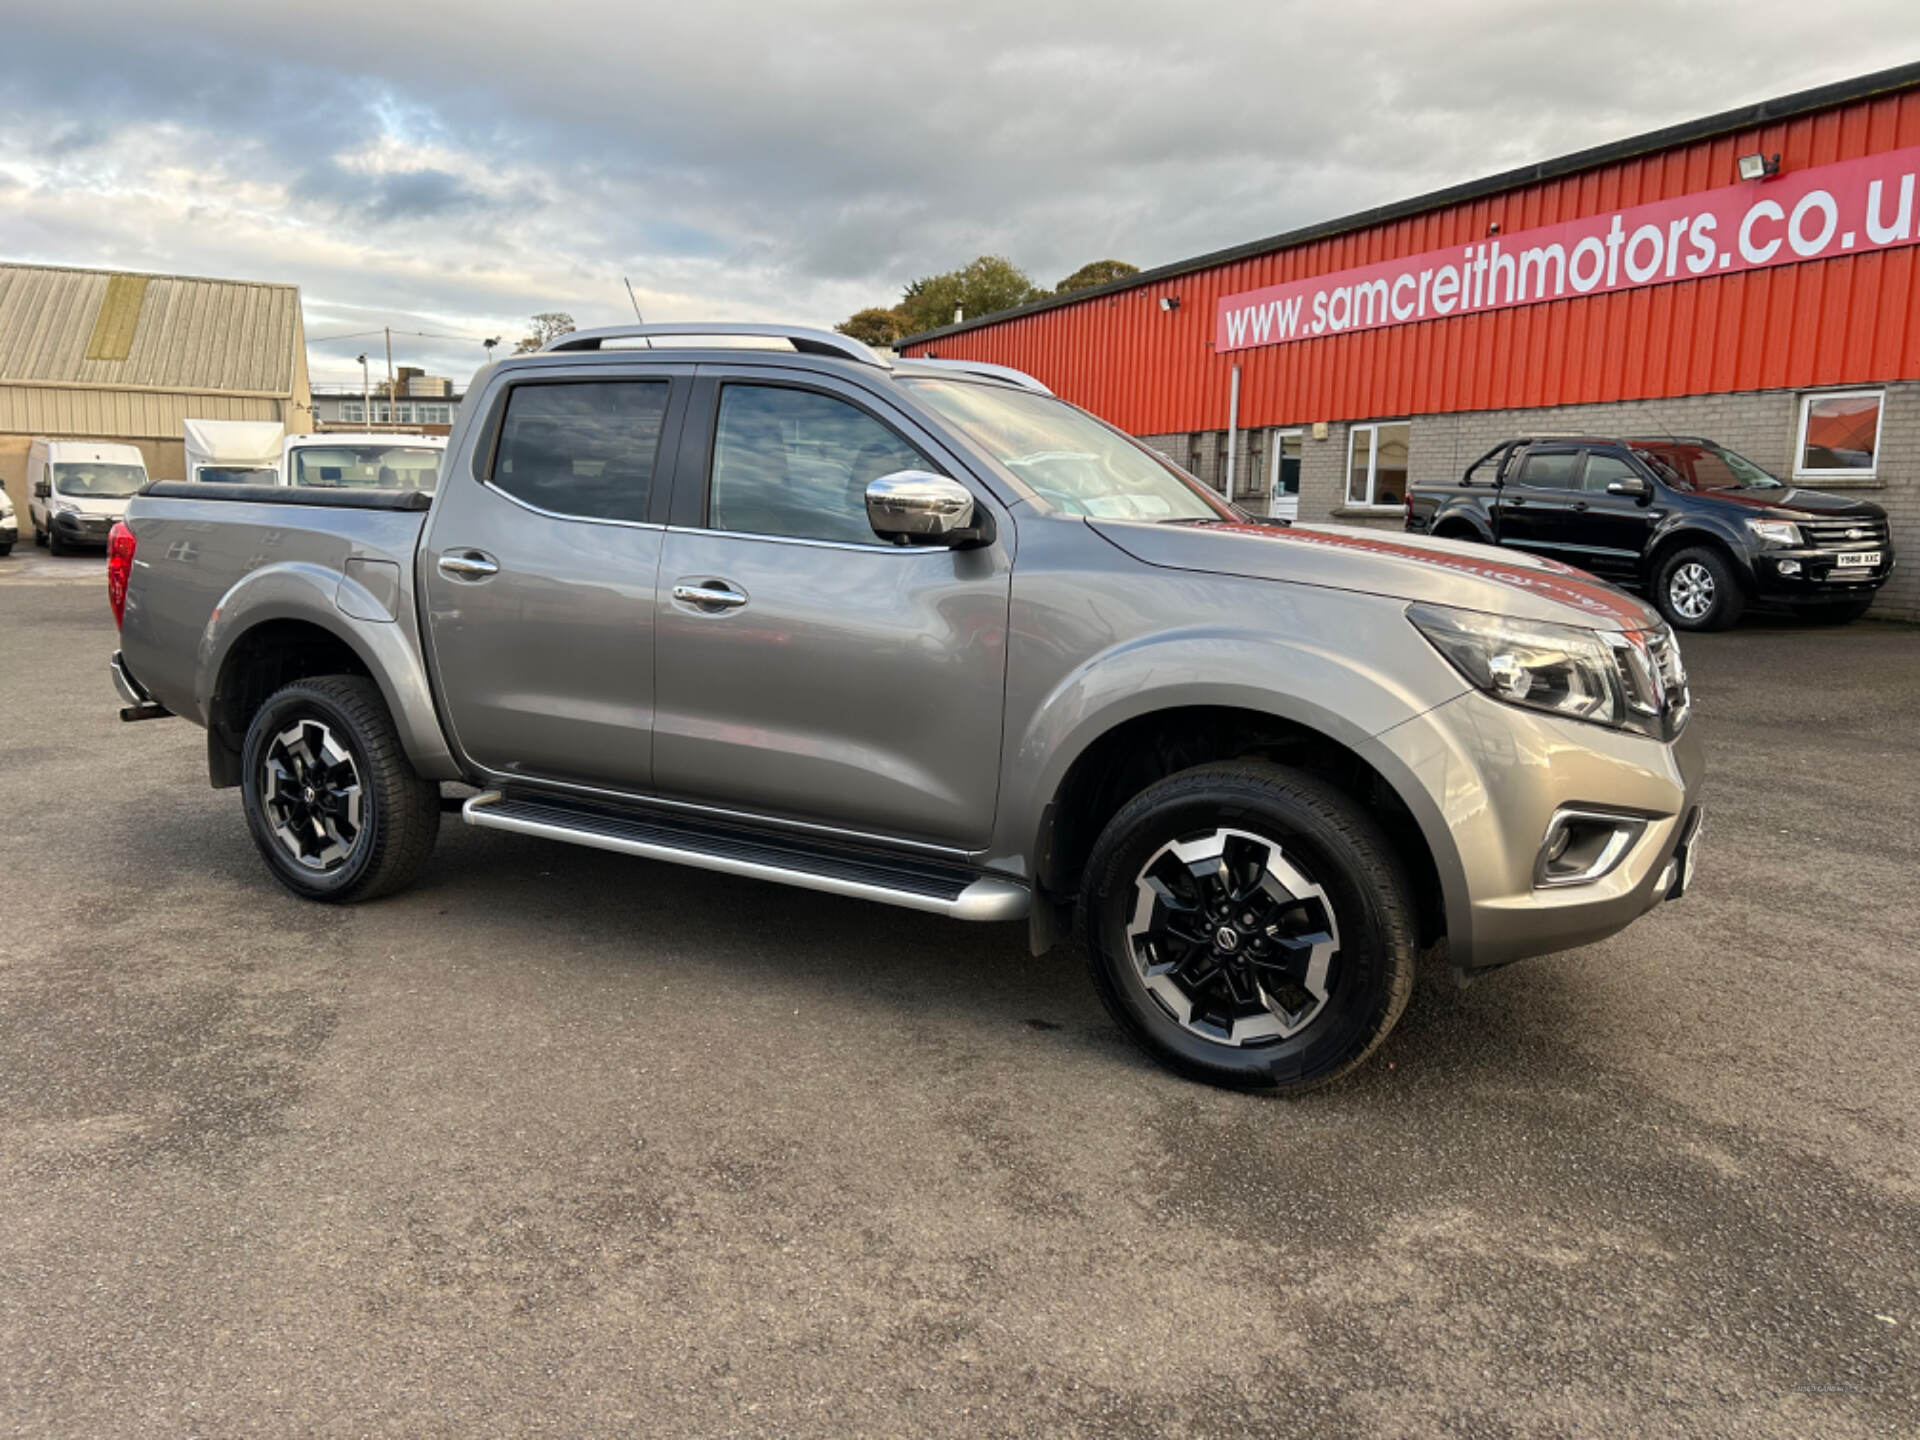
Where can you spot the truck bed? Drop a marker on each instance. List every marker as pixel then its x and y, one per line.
pixel 213 556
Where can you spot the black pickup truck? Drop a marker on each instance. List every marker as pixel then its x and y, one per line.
pixel 1704 531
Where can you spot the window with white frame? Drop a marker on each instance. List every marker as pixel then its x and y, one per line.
pixel 1839 433
pixel 1377 464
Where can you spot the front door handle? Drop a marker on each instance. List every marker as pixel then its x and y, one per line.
pixel 713 595
pixel 467 565
pixel 1514 500
pixel 1579 504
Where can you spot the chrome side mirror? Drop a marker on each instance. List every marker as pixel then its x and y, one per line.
pixel 921 508
pixel 1633 487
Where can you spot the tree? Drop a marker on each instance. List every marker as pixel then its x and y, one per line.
pixel 990 283
pixel 1095 272
pixel 547 325
pixel 874 326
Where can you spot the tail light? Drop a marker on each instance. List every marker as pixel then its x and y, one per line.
pixel 120 547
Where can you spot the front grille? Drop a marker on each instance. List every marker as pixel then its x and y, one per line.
pixel 1845 534
pixel 1671 698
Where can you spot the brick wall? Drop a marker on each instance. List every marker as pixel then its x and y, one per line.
pixel 1760 424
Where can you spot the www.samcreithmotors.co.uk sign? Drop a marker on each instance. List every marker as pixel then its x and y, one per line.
pixel 1851 208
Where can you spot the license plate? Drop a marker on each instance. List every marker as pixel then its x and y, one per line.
pixel 1864 558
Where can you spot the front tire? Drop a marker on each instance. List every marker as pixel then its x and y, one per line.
pixel 1249 926
pixel 334 807
pixel 1698 590
pixel 55 545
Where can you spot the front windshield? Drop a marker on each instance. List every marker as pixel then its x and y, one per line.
pixel 1068 458
pixel 384 467
pixel 237 475
pixel 98 478
pixel 1701 465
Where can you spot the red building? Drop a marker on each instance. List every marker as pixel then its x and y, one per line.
pixel 1752 276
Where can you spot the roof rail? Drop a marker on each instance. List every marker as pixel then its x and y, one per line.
pixel 803 339
pixel 997 372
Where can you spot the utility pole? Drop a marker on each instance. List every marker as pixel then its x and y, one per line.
pixel 393 405
pixel 366 392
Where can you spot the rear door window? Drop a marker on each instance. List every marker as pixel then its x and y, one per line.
pixel 1555 469
pixel 585 449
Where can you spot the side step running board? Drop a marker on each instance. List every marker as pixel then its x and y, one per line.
pixel 913 883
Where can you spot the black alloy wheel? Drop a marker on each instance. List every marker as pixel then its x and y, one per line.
pixel 1249 925
pixel 335 809
pixel 1230 938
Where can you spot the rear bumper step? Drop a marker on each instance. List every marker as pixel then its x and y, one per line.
pixel 140 705
pixel 910 882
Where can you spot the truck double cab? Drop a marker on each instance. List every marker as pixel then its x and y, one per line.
pixel 1704 531
pixel 920 632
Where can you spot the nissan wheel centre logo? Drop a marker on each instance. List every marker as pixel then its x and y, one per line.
pixel 1856 206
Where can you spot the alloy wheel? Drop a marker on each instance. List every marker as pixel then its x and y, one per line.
pixel 1691 589
pixel 312 794
pixel 1231 939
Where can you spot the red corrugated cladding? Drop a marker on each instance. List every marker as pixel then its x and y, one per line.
pixel 1825 322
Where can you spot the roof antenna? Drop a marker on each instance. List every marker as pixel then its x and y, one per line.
pixel 636 305
pixel 1657 422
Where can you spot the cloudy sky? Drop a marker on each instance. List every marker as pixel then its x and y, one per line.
pixel 452 168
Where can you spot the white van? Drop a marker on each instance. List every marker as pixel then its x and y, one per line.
pixel 76 489
pixel 385 462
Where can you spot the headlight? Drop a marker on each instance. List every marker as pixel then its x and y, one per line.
pixel 1604 677
pixel 1775 532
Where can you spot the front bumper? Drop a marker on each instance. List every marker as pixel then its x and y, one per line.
pixel 1810 576
pixel 1485 780
pixel 83 529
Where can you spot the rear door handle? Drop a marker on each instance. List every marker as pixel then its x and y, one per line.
pixel 467 565
pixel 1514 500
pixel 710 595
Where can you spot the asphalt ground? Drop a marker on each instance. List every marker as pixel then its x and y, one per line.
pixel 564 1143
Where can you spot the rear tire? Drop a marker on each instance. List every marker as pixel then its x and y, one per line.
pixel 334 807
pixel 1304 922
pixel 39 537
pixel 1698 590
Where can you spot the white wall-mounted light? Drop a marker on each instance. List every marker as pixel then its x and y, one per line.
pixel 1169 303
pixel 1758 167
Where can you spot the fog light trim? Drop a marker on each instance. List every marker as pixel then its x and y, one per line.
pixel 1582 846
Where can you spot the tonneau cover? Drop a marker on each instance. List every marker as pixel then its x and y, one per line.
pixel 355 498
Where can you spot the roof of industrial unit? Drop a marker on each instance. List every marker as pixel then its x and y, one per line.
pixel 114 329
pixel 1881 82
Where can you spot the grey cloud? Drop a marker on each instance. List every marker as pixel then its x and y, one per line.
pixel 388 196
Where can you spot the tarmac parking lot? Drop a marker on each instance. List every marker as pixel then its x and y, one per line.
pixel 564 1143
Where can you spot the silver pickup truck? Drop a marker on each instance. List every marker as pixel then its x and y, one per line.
pixel 921 633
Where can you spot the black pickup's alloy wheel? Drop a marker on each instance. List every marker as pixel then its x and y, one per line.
pixel 1697 590
pixel 1249 925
